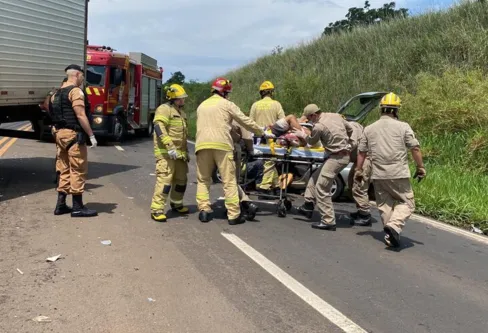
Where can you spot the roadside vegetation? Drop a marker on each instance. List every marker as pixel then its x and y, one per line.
pixel 435 61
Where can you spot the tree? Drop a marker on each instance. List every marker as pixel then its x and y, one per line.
pixel 365 16
pixel 177 78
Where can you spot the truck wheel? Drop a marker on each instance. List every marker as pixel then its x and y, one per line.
pixel 337 188
pixel 150 128
pixel 120 129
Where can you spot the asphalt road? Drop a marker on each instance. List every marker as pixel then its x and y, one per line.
pixel 271 275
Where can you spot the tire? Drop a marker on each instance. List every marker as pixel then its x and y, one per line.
pixel 120 129
pixel 288 205
pixel 281 210
pixel 150 128
pixel 216 177
pixel 337 188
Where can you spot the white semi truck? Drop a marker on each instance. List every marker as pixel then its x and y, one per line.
pixel 38 39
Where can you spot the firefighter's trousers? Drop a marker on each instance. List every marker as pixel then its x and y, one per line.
pixel 270 176
pixel 171 180
pixel 360 189
pixel 395 200
pixel 71 162
pixel 323 196
pixel 224 160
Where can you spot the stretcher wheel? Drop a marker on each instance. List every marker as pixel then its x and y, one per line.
pixel 288 205
pixel 281 210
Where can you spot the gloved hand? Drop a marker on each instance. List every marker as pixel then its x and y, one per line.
pixel 93 141
pixel 172 154
pixel 268 135
pixel 358 175
pixel 420 173
pixel 300 134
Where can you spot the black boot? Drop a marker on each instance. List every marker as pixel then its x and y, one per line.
pixel 79 210
pixel 324 226
pixel 306 209
pixel 240 219
pixel 364 220
pixel 250 210
pixel 61 206
pixel 205 216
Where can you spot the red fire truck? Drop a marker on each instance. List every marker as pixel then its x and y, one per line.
pixel 124 92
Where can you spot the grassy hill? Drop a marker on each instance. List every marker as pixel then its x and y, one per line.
pixel 436 62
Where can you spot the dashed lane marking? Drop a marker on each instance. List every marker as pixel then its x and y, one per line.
pixel 324 308
pixel 9 144
pixel 119 148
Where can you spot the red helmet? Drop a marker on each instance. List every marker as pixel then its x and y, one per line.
pixel 222 85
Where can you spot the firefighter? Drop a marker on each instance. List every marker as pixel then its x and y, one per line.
pixel 267 112
pixel 362 216
pixel 214 147
pixel 243 139
pixel 71 128
pixel 337 137
pixel 388 141
pixel 171 152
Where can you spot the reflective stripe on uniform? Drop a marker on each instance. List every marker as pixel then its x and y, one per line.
pixel 232 200
pixel 166 140
pixel 161 118
pixel 176 202
pixel 214 145
pixel 203 196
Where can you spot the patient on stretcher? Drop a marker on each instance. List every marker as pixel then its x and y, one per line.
pixel 283 130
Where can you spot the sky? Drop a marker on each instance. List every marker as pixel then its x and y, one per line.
pixel 204 39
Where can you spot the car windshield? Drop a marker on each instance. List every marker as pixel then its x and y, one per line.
pixel 95 76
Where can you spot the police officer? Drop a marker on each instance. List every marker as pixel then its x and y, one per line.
pixel 267 112
pixel 388 140
pixel 214 147
pixel 71 128
pixel 171 152
pixel 362 216
pixel 336 135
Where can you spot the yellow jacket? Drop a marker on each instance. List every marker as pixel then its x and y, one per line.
pixel 171 131
pixel 266 111
pixel 214 124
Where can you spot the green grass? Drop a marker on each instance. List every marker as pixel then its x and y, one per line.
pixel 436 62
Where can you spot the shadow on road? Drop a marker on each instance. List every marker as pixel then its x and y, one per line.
pixel 24 176
pixel 107 208
pixel 405 242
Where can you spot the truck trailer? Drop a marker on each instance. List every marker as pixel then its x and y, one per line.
pixel 36 45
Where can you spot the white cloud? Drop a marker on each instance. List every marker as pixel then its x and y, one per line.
pixel 203 39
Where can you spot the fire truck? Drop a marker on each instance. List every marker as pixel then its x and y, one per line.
pixel 124 91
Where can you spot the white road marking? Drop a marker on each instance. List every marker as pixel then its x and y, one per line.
pixel 119 148
pixel 325 309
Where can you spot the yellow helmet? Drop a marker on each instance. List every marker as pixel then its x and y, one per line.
pixel 390 100
pixel 266 85
pixel 175 91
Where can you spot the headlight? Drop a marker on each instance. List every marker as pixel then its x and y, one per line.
pixel 97 120
pixel 98 109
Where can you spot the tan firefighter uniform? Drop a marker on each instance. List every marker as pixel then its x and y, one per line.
pixel 388 141
pixel 360 188
pixel 171 133
pixel 266 112
pixel 336 135
pixel 214 146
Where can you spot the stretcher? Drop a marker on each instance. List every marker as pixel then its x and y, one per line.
pixel 284 158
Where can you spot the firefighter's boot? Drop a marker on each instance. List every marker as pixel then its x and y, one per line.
pixel 250 210
pixel 240 219
pixel 179 209
pixel 392 238
pixel 61 206
pixel 79 210
pixel 205 216
pixel 306 209
pixel 360 219
pixel 158 216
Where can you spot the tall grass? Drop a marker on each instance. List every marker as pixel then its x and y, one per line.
pixel 436 62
